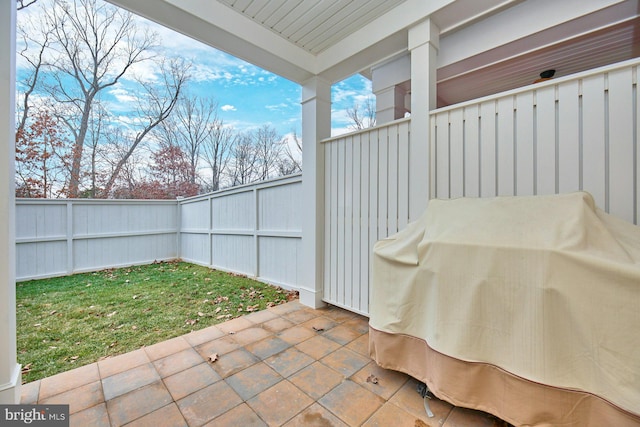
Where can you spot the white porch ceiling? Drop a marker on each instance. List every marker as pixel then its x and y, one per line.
pixel 309 24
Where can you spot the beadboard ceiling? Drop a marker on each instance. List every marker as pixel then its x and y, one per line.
pixel 310 24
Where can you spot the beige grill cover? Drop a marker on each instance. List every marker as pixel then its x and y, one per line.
pixel 545 288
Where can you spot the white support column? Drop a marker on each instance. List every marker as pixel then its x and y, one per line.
pixel 423 45
pixel 10 371
pixel 390 84
pixel 316 125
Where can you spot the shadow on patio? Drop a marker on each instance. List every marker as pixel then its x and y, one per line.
pixel 287 365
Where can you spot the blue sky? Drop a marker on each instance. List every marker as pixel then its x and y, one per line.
pixel 248 97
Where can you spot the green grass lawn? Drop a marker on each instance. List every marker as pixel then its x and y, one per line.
pixel 66 322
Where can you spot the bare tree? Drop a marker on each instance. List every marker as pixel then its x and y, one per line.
pixel 363 116
pixel 155 105
pixel 216 151
pixel 23 4
pixel 96 44
pixel 290 160
pixel 189 127
pixel 243 163
pixel 35 59
pixel 268 147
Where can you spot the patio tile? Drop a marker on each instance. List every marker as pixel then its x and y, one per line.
pixel 96 416
pixel 230 363
pixel 345 361
pixel 342 334
pixel 123 362
pixel 203 335
pixel 249 335
pixel 339 315
pixel 319 324
pixel 300 316
pixel 462 417
pixel 279 403
pixel 191 380
pixel 278 324
pixel 235 325
pixel 177 362
pixel 206 404
pixel 165 348
pixel 167 416
pixel 131 406
pixel 391 415
pixel 253 380
pixel 261 316
pixel 388 381
pixel 286 308
pixel 295 334
pixel 360 345
pixel 221 346
pixel 240 415
pixel 289 361
pixel 316 380
pixel 318 346
pixel 316 416
pixel 69 380
pixel 267 347
pixel 79 398
pixel 351 403
pixel 127 381
pixel 359 324
pixel 29 393
pixel 408 399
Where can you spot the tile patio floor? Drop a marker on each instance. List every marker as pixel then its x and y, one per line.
pixel 288 365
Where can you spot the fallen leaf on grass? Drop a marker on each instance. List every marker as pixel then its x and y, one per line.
pixel 111 314
pixel 372 379
pixel 53 312
pixel 201 314
pixel 26 368
pixel 191 321
pixel 213 358
pixel 222 316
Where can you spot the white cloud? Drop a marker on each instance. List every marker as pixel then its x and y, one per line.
pixel 228 107
pixel 275 107
pixel 122 95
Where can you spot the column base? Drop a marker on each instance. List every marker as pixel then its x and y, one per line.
pixel 10 393
pixel 311 298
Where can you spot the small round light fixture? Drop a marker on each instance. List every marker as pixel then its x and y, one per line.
pixel 545 75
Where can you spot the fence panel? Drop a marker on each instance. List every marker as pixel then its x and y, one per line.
pixel 59 237
pixel 253 229
pixel 366 199
pixel 574 133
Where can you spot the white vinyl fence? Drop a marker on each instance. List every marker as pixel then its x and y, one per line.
pixel 366 199
pixel 253 230
pixel 574 133
pixel 59 237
